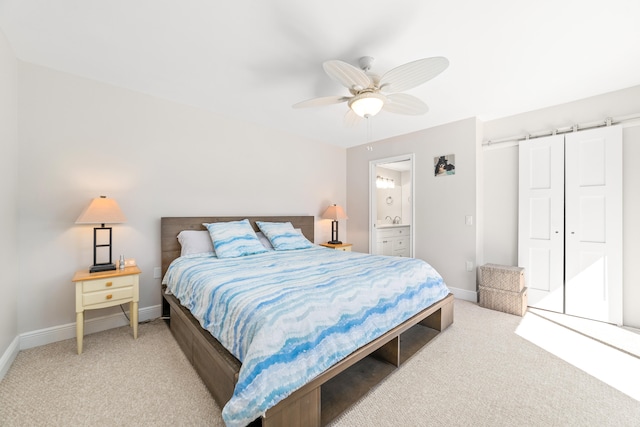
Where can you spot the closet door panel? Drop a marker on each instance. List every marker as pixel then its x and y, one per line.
pixel 540 269
pixel 592 213
pixel 593 199
pixel 541 220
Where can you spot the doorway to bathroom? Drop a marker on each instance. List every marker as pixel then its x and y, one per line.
pixel 391 207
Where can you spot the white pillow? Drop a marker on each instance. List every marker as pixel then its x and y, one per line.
pixel 195 242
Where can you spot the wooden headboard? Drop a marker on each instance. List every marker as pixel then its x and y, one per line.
pixel 171 226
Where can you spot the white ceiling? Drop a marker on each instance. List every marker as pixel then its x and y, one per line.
pixel 252 60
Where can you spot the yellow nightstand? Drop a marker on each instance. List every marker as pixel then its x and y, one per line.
pixel 346 247
pixel 106 289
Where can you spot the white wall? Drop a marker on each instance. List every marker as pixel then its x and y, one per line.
pixel 80 139
pixel 501 181
pixel 441 203
pixel 9 285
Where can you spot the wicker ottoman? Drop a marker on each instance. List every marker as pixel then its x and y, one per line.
pixel 502 288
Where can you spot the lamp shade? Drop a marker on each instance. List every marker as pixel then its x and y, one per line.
pixel 367 104
pixel 335 213
pixel 101 211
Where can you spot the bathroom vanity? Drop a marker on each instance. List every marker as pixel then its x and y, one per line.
pixel 393 239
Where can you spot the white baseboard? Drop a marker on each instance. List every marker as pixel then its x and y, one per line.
pixel 68 331
pixel 464 294
pixel 9 356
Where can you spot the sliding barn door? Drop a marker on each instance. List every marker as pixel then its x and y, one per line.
pixel 541 220
pixel 570 223
pixel 593 247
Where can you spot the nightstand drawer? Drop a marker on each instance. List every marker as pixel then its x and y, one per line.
pixel 107 296
pixel 107 283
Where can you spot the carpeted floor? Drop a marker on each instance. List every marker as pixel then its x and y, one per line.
pixel 478 372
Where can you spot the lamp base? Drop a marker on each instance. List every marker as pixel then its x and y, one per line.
pixel 101 267
pixel 334 242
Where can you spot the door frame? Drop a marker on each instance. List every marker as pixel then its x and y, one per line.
pixel 373 197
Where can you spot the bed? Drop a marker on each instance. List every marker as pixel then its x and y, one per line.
pixel 315 400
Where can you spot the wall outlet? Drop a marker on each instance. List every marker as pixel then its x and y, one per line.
pixel 157 272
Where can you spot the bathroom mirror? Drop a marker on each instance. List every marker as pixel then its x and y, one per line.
pixel 393 191
pixel 391 207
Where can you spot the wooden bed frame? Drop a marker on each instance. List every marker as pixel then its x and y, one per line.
pixel 330 393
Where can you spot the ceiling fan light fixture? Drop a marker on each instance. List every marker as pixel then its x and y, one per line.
pixel 370 92
pixel 367 104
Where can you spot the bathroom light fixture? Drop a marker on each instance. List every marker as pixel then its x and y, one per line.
pixel 102 211
pixel 334 213
pixel 384 183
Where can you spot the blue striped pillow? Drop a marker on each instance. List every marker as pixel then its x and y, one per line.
pixel 234 239
pixel 283 236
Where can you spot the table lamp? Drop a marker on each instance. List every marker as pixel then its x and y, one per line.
pixel 334 213
pixel 102 211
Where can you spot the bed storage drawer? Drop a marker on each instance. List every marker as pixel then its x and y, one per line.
pixel 215 365
pixel 182 334
pixel 208 351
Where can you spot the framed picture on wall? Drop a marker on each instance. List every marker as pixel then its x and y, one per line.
pixel 444 165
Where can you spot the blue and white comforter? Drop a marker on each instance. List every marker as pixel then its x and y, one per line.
pixel 290 315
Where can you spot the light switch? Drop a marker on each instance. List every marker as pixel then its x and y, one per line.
pixel 468 220
pixel 157 272
pixel 469 265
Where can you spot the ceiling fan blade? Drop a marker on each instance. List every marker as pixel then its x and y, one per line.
pixel 402 103
pixel 351 119
pixel 346 74
pixel 317 102
pixel 413 74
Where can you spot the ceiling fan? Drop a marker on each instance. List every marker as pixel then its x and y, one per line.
pixel 371 93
